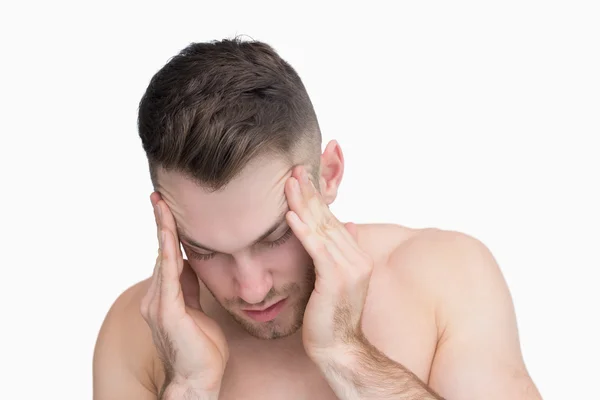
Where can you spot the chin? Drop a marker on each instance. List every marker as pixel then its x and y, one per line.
pixel 284 325
pixel 272 332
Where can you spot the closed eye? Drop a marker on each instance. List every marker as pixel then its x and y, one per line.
pixel 199 256
pixel 270 244
pixel 281 240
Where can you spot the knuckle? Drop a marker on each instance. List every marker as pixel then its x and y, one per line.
pixel 150 315
pixel 359 277
pixel 144 310
pixel 322 228
pixel 330 221
pixel 327 223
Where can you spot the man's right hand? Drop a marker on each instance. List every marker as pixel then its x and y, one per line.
pixel 191 345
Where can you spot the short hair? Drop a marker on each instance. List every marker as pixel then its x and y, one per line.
pixel 216 106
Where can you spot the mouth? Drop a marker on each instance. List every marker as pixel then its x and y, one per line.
pixel 266 314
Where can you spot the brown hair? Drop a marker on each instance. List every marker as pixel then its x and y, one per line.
pixel 217 105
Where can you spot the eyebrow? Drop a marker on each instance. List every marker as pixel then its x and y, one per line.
pixel 278 222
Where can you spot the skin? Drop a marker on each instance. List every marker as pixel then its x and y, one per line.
pixel 427 310
pixel 240 275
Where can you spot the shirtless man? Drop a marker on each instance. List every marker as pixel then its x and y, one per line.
pixel 277 298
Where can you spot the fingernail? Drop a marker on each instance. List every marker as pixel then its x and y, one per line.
pixel 161 242
pixel 157 210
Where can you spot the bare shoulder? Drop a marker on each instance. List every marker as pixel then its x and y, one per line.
pixel 456 279
pixel 416 242
pixel 437 265
pixel 379 240
pixel 435 254
pixel 445 262
pixel 124 355
pixel 404 247
pixel 415 290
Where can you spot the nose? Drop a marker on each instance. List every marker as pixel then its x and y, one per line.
pixel 253 281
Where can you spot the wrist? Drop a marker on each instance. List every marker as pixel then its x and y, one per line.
pixel 188 390
pixel 343 352
pixel 344 355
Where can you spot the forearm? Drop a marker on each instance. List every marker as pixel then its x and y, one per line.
pixel 361 372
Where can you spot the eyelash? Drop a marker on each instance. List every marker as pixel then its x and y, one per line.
pixel 281 240
pixel 284 238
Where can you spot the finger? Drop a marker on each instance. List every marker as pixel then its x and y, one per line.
pixel 306 201
pixel 167 222
pixel 308 204
pixel 155 276
pixel 171 296
pixel 314 246
pixel 331 246
pixel 146 306
pixel 190 286
pixel 155 273
pixel 322 223
pixel 154 198
pixel 345 243
pixel 352 236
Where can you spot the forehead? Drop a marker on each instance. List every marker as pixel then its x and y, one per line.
pixel 234 216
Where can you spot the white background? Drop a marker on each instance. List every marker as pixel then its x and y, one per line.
pixel 481 117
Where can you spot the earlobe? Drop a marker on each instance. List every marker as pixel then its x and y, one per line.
pixel 328 192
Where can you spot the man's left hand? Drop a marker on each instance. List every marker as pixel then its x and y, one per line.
pixel 343 270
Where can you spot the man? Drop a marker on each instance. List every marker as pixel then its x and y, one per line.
pixel 277 298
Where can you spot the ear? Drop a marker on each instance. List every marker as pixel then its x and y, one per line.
pixel 332 171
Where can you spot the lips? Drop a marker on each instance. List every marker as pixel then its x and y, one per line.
pixel 266 314
pixel 261 309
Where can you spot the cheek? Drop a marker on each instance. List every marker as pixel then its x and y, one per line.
pixel 290 258
pixel 213 275
pixel 296 247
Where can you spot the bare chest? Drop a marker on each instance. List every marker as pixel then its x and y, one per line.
pixel 267 378
pixel 260 374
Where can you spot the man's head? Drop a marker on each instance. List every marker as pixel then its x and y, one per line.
pixel 223 124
